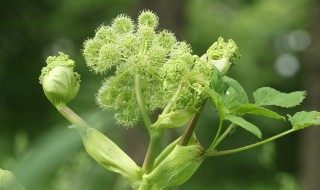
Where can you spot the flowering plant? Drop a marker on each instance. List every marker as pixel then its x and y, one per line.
pixel 150 70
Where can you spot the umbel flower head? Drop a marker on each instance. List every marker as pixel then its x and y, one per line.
pixel 60 83
pixel 169 73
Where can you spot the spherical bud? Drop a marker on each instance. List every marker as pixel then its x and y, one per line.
pixel 60 83
pixel 145 35
pixel 123 24
pixel 128 44
pixel 156 55
pixel 91 54
pixel 148 18
pixel 105 34
pixel 109 56
pixel 166 39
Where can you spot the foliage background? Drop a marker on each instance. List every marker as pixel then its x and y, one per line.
pixel 279 42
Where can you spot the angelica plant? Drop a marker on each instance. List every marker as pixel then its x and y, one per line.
pixel 147 69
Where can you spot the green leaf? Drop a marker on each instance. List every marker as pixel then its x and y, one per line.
pixel 268 96
pixel 253 109
pixel 242 95
pixel 230 100
pixel 304 119
pixel 217 83
pixel 245 124
pixel 217 102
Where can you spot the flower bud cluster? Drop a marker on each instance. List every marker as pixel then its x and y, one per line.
pixel 223 54
pixel 60 83
pixel 163 64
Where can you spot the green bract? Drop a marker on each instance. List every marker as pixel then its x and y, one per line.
pixel 175 169
pixel 109 155
pixel 60 83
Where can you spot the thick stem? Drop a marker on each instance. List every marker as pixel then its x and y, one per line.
pixel 72 116
pixel 225 152
pixel 190 128
pixel 152 151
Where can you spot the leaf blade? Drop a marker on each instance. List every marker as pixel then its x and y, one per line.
pixel 267 96
pixel 304 119
pixel 245 125
pixel 256 110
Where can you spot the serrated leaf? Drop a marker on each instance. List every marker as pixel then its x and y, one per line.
pixel 267 96
pixel 242 95
pixel 304 119
pixel 253 109
pixel 245 124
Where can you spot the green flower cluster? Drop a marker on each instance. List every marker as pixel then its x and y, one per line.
pixel 171 77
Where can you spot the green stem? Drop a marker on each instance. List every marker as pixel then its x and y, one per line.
pixel 231 126
pixel 72 116
pixel 190 128
pixel 155 135
pixel 152 151
pixel 145 117
pixel 213 144
pixel 173 99
pixel 225 152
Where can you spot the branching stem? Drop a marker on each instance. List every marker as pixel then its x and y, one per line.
pixel 213 144
pixel 225 152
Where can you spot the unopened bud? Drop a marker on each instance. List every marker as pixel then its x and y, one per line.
pixel 60 83
pixel 105 152
pixel 175 169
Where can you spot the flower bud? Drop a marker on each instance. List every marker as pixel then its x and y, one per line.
pixel 175 119
pixel 110 156
pixel 148 18
pixel 60 83
pixel 175 169
pixel 123 24
pixel 223 54
pixel 8 181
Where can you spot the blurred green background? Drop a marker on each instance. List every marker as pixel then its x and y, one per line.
pixel 280 45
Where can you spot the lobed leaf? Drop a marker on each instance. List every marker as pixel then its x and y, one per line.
pixel 244 124
pixel 253 109
pixel 304 119
pixel 267 96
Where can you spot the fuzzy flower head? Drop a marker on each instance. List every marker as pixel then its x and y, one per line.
pixel 60 83
pixel 167 68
